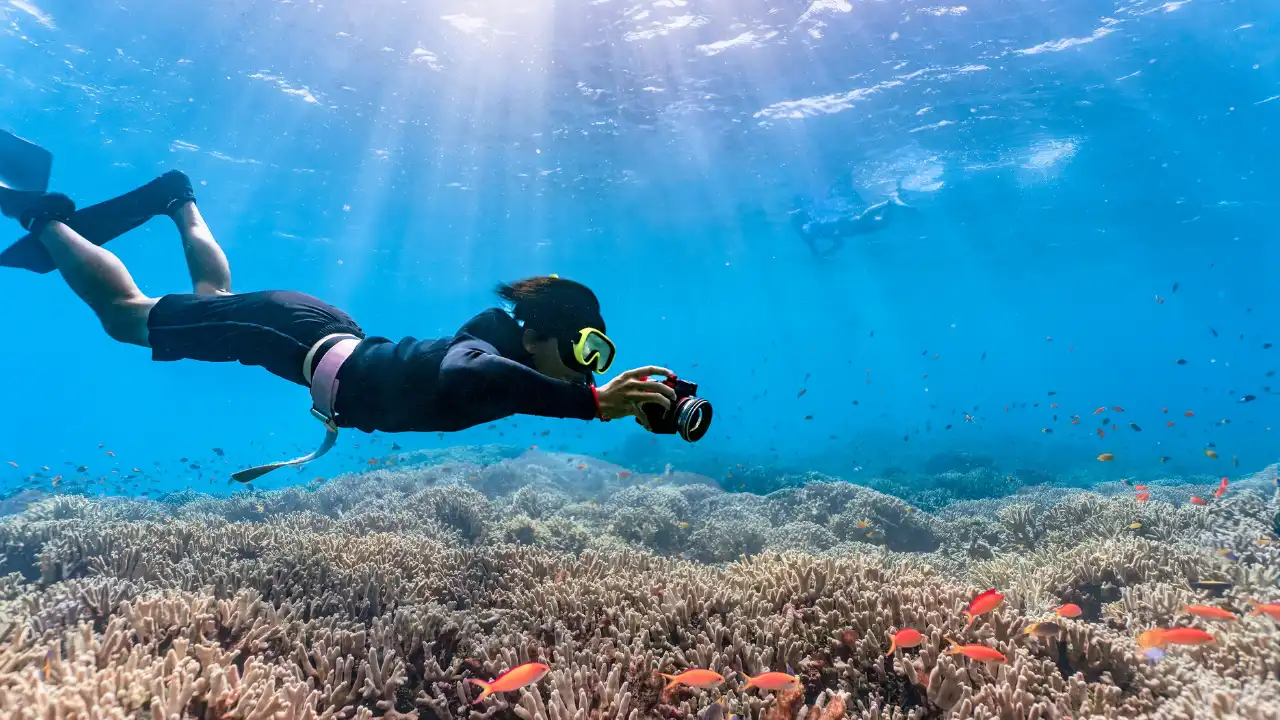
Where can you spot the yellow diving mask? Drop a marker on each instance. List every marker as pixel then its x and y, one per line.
pixel 592 351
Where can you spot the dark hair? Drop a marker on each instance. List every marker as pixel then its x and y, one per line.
pixel 553 306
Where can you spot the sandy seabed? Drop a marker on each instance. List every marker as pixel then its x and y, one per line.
pixel 378 594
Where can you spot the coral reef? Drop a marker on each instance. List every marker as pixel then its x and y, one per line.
pixel 380 594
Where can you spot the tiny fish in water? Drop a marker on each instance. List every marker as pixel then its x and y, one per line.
pixel 1174 290
pixel 981 653
pixel 1215 332
pixel 802 392
pixel 703 679
pixel 513 679
pixel 1134 426
pixel 218 452
pixel 1198 501
pixel 984 603
pixel 1070 610
pixel 13 464
pixel 1188 414
pixel 1046 431
pixel 1164 459
pixel 1169 424
pixel 1043 629
pixel 773 681
pixel 1210 612
pixel 1135 526
pixel 1181 361
pixel 1248 398
pixel 862 524
pixel 1106 457
pixel 905 638
pixel 1142 497
pixel 1210 454
pixel 1270 609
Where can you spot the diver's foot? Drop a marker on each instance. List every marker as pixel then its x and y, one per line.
pixel 174 190
pixel 13 203
pixel 33 210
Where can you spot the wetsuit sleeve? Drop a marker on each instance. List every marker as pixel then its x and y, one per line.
pixel 472 372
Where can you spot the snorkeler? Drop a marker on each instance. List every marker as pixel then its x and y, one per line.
pixel 539 359
pixel 827 237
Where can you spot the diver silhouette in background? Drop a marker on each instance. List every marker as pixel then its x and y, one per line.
pixel 827 237
pixel 539 359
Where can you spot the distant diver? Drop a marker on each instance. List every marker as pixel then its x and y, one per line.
pixel 539 359
pixel 827 237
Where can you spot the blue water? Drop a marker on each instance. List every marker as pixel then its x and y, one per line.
pixel 1070 162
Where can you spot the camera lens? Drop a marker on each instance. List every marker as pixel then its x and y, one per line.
pixel 693 418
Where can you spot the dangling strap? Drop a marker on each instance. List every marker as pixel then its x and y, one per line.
pixel 324 393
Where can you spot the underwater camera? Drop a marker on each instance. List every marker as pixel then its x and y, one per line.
pixel 690 415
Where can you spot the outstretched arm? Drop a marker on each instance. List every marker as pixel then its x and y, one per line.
pixel 474 373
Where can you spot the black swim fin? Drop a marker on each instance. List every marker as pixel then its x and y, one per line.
pixel 23 165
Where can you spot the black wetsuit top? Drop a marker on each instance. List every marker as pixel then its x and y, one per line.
pixel 479 375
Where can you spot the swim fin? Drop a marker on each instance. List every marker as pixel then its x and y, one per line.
pixel 32 209
pixel 23 165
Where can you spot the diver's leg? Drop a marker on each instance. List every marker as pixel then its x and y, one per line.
pixel 210 271
pixel 101 281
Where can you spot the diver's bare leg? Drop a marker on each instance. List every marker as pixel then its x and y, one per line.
pixel 210 271
pixel 101 281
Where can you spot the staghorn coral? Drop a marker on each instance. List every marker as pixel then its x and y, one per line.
pixel 378 595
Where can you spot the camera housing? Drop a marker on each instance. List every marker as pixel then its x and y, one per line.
pixel 689 416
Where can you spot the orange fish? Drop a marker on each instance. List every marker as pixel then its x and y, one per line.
pixel 1099 411
pixel 773 681
pixel 1106 457
pixel 1189 414
pixel 111 453
pixel 583 466
pixel 1169 424
pixel 1210 454
pixel 1209 611
pixel 984 603
pixel 981 653
pixel 1140 487
pixel 1070 610
pixel 624 473
pixel 1101 433
pixel 704 679
pixel 1153 638
pixel 1165 411
pixel 1222 490
pixel 1142 497
pixel 1197 501
pixel 513 679
pixel 1272 609
pixel 904 638
pixel 1117 409
pixel 1186 636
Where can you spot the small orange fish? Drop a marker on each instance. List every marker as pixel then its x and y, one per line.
pixel 624 473
pixel 1053 405
pixel 1210 454
pixel 1169 424
pixel 583 466
pixel 1070 610
pixel 981 653
pixel 1272 609
pixel 1106 457
pixel 703 679
pixel 1101 433
pixel 372 461
pixel 1117 409
pixel 1099 411
pixel 983 603
pixel 904 638
pixel 1186 636
pixel 1153 638
pixel 772 681
pixel 1197 501
pixel 1222 490
pixel 1209 611
pixel 1140 487
pixel 111 453
pixel 1189 414
pixel 1142 497
pixel 1165 410
pixel 513 679
pixel 862 524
